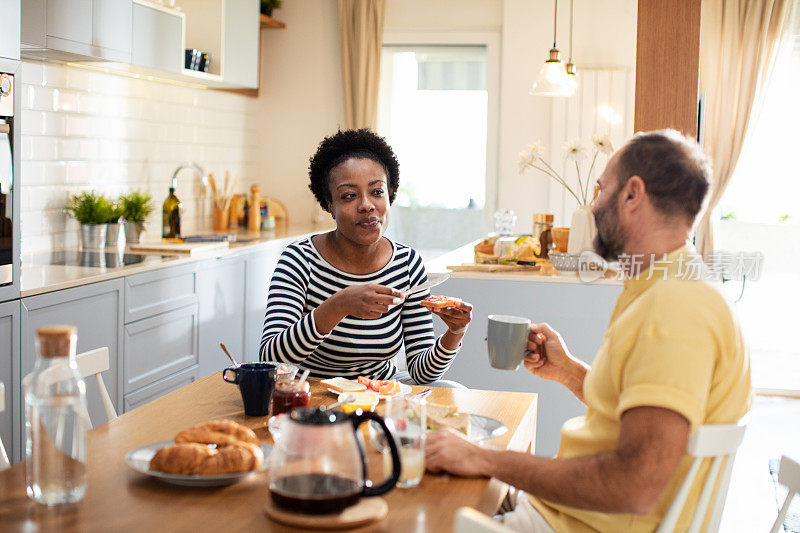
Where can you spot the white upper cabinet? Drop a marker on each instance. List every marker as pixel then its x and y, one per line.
pixel 9 29
pixel 149 38
pixel 77 30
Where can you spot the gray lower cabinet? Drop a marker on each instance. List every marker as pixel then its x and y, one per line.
pixel 259 268
pixel 96 310
pixel 160 388
pixel 9 361
pixel 159 346
pixel 221 293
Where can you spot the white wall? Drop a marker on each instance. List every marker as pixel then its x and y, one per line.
pixel 300 99
pixel 604 36
pixel 87 130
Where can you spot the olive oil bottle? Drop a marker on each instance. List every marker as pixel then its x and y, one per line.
pixel 171 216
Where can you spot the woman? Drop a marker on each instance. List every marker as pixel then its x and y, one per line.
pixel 335 303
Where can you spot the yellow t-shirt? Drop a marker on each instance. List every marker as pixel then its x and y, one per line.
pixel 673 342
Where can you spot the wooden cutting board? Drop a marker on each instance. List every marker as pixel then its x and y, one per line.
pixel 472 267
pixel 366 511
pixel 182 248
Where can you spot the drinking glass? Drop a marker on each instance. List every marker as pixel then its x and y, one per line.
pixel 405 416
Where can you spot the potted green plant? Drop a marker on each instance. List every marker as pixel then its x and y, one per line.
pixel 268 5
pixel 91 210
pixel 114 222
pixel 136 206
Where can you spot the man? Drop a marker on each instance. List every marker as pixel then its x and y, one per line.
pixel 672 359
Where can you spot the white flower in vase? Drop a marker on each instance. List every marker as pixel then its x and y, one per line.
pixel 575 150
pixel 602 144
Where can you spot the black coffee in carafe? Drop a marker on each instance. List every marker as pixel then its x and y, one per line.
pixel 315 493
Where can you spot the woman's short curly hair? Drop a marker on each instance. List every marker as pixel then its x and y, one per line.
pixel 348 144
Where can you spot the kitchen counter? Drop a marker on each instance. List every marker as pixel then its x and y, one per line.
pixel 466 254
pixel 42 278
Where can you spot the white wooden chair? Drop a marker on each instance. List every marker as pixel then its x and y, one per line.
pixel 788 476
pixel 3 456
pixel 469 520
pixel 91 363
pixel 719 441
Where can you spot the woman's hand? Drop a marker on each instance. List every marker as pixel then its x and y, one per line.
pixel 361 301
pixel 457 319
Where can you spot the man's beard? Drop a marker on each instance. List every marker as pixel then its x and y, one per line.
pixel 609 243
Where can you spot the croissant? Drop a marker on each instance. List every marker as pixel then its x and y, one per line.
pixel 194 458
pixel 219 432
pixel 237 450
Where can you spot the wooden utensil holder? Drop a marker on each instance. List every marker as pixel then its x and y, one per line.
pixel 221 219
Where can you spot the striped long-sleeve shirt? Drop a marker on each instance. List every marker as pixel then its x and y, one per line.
pixel 303 279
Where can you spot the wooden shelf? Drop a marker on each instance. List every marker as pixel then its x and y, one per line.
pixel 269 22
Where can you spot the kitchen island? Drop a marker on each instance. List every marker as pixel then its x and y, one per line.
pixel 579 311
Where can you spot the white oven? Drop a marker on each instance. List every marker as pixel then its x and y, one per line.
pixel 9 179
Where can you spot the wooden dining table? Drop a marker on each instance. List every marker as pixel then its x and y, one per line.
pixel 120 499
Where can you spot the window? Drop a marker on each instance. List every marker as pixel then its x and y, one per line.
pixel 760 212
pixel 433 109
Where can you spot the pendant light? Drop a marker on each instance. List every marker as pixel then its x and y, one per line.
pixel 572 77
pixel 553 79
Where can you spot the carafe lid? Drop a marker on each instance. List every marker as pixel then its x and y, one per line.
pixel 56 341
pixel 314 416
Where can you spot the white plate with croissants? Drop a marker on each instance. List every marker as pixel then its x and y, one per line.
pixel 216 453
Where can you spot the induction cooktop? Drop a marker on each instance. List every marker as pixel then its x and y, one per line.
pixel 95 258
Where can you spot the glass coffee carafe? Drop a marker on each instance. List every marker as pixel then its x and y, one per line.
pixel 318 466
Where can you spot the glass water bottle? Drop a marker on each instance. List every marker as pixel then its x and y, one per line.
pixel 56 420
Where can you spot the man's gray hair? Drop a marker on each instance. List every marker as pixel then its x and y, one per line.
pixel 675 171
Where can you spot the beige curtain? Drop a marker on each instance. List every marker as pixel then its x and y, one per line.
pixel 738 44
pixel 361 26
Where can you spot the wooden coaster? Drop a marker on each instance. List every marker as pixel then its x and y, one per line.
pixel 366 511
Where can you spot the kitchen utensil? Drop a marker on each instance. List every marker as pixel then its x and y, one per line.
pixel 256 382
pixel 423 394
pixel 565 262
pixel 318 464
pixel 427 285
pixel 139 460
pixel 224 349
pixel 507 337
pixel 304 376
pixel 347 399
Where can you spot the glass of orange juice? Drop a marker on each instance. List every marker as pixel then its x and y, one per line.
pixel 405 417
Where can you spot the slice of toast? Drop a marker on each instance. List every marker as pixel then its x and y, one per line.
pixel 440 302
pixel 343 385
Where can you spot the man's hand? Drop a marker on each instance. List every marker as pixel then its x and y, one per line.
pixel 446 450
pixel 549 358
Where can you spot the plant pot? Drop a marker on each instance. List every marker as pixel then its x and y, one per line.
pixel 581 231
pixel 93 236
pixel 113 234
pixel 133 232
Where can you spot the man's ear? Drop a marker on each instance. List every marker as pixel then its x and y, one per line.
pixel 633 193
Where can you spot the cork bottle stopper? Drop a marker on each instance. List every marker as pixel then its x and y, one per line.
pixel 56 341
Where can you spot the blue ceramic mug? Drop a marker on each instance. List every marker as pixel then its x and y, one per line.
pixel 256 382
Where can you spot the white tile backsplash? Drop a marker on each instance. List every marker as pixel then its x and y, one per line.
pixel 87 130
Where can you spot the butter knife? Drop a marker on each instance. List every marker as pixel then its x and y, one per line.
pixel 426 285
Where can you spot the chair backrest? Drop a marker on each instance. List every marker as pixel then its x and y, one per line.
pixel 720 442
pixel 789 477
pixel 91 363
pixel 3 456
pixel 469 520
